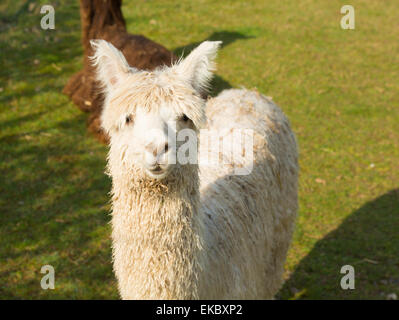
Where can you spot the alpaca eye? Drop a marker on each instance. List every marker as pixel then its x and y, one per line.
pixel 184 118
pixel 129 119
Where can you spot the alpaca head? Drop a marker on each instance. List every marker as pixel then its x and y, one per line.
pixel 145 111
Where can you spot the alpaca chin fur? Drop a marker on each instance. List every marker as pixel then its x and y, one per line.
pixel 202 232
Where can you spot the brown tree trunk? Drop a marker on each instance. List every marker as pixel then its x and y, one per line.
pixel 103 19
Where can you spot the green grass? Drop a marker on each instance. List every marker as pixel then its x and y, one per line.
pixel 338 87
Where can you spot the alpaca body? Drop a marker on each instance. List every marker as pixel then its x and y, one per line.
pixel 199 229
pixel 248 219
pixel 230 240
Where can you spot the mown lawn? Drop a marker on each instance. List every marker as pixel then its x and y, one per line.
pixel 339 88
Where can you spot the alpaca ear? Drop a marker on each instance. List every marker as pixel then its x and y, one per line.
pixel 111 64
pixel 198 66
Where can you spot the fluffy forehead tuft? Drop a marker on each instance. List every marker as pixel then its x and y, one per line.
pixel 150 91
pixel 177 87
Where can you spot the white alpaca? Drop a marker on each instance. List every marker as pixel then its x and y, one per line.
pixel 188 231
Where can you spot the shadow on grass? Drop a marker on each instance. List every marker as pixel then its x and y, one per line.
pixel 218 83
pixel 53 194
pixel 227 37
pixel 368 240
pixel 53 212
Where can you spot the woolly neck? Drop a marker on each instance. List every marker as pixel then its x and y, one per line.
pixel 156 235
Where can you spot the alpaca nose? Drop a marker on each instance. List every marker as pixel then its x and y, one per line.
pixel 157 150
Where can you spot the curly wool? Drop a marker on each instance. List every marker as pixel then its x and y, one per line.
pixel 249 219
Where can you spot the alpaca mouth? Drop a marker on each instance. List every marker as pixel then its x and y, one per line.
pixel 157 169
pixel 157 172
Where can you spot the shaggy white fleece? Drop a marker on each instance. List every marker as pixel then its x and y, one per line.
pixel 196 231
